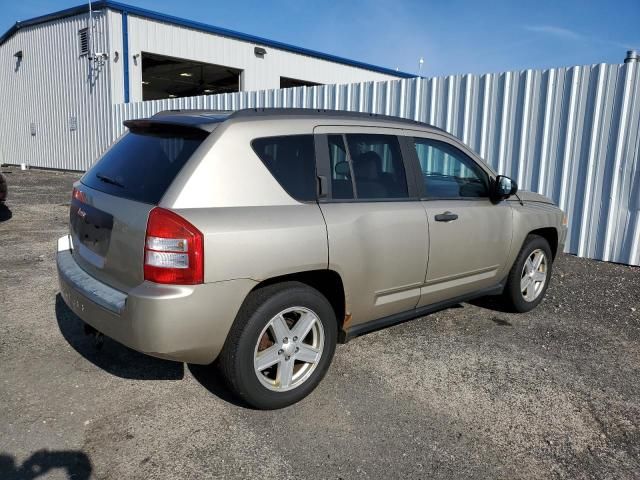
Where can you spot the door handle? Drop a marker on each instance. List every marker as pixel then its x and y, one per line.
pixel 322 186
pixel 446 217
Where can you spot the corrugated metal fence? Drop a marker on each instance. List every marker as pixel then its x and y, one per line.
pixel 569 133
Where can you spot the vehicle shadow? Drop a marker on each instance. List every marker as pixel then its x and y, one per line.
pixel 76 465
pixel 209 377
pixel 113 357
pixel 5 213
pixel 494 302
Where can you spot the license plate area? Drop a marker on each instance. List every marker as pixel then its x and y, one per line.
pixel 91 227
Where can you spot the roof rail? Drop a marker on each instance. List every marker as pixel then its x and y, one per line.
pixel 208 119
pixel 192 111
pixel 281 112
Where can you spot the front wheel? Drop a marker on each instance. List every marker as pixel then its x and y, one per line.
pixel 280 345
pixel 529 277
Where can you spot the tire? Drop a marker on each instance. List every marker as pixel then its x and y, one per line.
pixel 258 337
pixel 515 295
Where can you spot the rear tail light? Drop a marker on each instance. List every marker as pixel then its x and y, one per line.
pixel 173 249
pixel 78 195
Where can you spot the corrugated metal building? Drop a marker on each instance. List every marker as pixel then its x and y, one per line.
pixel 62 73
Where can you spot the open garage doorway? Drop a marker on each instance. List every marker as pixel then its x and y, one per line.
pixel 169 77
pixel 286 82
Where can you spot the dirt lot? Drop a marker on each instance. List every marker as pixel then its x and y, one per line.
pixel 469 392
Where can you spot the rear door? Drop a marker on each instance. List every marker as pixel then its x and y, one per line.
pixel 112 201
pixel 469 235
pixel 376 225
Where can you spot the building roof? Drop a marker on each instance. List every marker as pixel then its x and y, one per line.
pixel 152 15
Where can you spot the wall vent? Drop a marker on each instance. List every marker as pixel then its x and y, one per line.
pixel 83 38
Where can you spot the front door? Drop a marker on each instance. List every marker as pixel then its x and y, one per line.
pixel 469 235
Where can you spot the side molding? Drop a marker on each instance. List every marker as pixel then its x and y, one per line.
pixel 401 317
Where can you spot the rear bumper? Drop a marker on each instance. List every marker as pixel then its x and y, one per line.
pixel 183 323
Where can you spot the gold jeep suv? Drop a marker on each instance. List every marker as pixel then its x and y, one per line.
pixel 262 238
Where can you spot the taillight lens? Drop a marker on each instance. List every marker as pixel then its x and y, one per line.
pixel 78 195
pixel 173 249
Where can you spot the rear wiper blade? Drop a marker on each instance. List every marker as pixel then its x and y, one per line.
pixel 110 180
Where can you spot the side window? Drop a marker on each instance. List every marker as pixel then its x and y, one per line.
pixel 449 173
pixel 377 166
pixel 291 160
pixel 341 183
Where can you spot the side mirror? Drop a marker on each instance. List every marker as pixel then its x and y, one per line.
pixel 504 187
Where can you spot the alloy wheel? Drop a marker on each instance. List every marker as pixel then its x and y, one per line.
pixel 534 275
pixel 289 349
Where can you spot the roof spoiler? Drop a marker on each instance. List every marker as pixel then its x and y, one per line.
pixel 166 122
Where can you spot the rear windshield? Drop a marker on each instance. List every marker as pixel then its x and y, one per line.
pixel 142 165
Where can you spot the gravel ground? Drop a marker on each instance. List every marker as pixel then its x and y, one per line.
pixel 470 392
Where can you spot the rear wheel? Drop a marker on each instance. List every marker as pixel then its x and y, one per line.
pixel 280 345
pixel 529 277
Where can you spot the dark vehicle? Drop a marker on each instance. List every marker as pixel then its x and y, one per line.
pixel 3 189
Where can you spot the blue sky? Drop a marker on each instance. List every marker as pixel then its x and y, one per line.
pixel 458 36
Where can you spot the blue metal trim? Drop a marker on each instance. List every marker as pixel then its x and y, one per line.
pixel 42 19
pixel 142 12
pixel 125 54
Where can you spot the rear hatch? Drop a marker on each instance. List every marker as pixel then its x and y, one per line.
pixel 112 201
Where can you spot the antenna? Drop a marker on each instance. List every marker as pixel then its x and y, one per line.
pixel 97 57
pixel 420 64
pixel 90 30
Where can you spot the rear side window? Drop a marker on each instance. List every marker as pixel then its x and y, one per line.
pixel 341 183
pixel 142 165
pixel 291 160
pixel 377 166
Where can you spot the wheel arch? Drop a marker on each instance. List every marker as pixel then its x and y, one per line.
pixel 328 282
pixel 550 234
